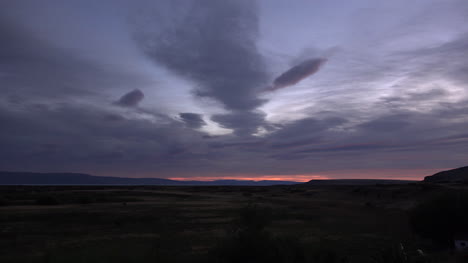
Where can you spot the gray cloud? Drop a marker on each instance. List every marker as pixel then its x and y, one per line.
pixel 131 99
pixel 108 142
pixel 388 124
pixel 92 141
pixel 215 47
pixel 243 123
pixel 408 98
pixel 401 105
pixel 34 68
pixel 192 120
pixel 297 73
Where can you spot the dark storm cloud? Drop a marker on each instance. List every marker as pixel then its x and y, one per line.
pixel 214 46
pixel 297 73
pixel 131 99
pixel 84 138
pixel 192 120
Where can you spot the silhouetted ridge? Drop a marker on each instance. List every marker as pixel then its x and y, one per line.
pixel 357 182
pixel 30 178
pixel 449 176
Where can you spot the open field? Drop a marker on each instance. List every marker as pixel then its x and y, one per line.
pixel 184 224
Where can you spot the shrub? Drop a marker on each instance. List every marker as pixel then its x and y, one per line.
pixel 397 254
pixel 442 217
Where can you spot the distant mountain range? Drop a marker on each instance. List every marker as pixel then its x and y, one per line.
pixel 29 178
pixel 457 175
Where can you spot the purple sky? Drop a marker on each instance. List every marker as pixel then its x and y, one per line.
pixel 234 88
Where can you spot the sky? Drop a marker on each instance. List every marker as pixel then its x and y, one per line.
pixel 238 89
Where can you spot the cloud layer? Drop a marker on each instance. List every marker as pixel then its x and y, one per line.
pixel 392 102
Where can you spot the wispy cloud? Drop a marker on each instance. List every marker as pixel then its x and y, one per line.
pixel 131 99
pixel 192 120
pixel 297 73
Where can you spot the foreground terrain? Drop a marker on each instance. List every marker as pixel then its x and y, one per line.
pixel 199 224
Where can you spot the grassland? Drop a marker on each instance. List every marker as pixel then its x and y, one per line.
pixel 186 224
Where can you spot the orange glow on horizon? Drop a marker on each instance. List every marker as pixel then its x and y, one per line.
pixel 294 178
pixel 385 174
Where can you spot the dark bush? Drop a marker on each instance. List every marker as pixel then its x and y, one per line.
pixel 442 217
pixel 398 254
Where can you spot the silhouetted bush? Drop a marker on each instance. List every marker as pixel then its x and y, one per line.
pixel 398 254
pixel 442 217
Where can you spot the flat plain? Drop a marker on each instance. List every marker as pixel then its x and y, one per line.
pixel 185 224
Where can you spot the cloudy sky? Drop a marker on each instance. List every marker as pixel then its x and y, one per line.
pixel 206 89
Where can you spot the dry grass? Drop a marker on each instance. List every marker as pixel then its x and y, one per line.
pixel 159 222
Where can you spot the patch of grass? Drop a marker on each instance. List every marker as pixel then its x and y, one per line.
pixel 47 200
pixel 250 242
pixel 3 201
pixel 212 224
pixel 121 250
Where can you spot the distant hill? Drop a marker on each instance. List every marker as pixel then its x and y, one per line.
pixel 356 182
pixel 29 178
pixel 449 176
